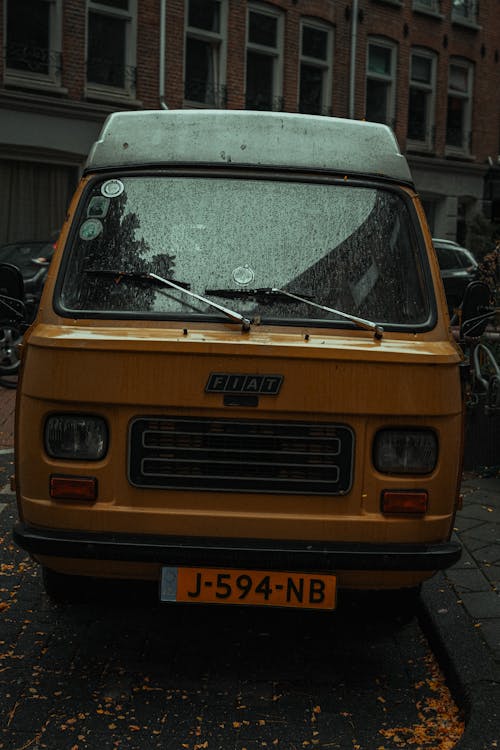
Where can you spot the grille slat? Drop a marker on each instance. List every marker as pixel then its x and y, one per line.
pixel 241 455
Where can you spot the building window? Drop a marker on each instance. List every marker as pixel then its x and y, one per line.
pixel 464 11
pixel 316 55
pixel 111 31
pixel 205 52
pixel 421 99
pixel 380 82
pixel 33 43
pixel 427 6
pixel 264 59
pixel 458 119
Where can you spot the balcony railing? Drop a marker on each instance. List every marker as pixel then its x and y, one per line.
pixel 197 90
pixel 105 72
pixel 264 102
pixel 31 59
pixel 427 6
pixel 312 107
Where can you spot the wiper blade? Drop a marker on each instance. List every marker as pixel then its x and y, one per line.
pixel 117 275
pixel 269 292
pixel 143 275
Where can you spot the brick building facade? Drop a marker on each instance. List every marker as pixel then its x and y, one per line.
pixel 428 68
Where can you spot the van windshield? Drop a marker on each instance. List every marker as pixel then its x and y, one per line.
pixel 346 247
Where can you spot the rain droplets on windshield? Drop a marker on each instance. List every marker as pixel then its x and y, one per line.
pixel 350 248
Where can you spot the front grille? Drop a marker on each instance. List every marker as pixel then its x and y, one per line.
pixel 227 455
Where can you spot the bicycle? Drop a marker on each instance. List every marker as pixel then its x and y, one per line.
pixel 481 370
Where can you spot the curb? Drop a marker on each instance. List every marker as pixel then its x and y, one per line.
pixel 472 674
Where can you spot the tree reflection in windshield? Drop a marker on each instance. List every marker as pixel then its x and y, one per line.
pixel 116 247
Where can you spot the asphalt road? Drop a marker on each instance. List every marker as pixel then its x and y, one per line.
pixel 126 672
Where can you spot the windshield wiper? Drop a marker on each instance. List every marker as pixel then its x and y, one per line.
pixel 268 292
pixel 180 286
pixel 117 275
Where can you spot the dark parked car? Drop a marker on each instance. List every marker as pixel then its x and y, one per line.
pixel 458 268
pixel 33 260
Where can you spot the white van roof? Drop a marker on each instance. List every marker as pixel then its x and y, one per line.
pixel 248 138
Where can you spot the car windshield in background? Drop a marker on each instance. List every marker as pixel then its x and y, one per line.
pixel 27 256
pixel 345 247
pixel 453 256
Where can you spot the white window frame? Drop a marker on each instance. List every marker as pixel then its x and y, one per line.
pixel 326 66
pixel 102 91
pixel 466 96
pixel 465 12
pixel 218 42
pixel 276 53
pixel 386 78
pixel 430 90
pixel 32 79
pixel 433 7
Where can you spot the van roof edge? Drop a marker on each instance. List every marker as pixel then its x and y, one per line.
pixel 250 139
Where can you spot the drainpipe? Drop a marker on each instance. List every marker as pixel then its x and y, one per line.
pixel 352 70
pixel 163 15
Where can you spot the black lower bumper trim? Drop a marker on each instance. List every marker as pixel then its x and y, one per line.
pixel 264 554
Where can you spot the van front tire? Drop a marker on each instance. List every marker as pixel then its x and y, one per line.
pixel 65 589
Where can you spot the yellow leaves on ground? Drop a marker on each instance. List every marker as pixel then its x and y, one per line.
pixel 439 727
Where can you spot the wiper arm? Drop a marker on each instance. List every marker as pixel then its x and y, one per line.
pixel 361 322
pixel 142 275
pixel 275 292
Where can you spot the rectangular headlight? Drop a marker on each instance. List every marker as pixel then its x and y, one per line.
pixel 405 451
pixel 76 436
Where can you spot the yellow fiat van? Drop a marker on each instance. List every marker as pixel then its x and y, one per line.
pixel 241 382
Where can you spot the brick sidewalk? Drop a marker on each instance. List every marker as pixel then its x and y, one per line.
pixel 7 404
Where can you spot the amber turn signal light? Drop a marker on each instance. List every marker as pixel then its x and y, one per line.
pixel 405 501
pixel 73 488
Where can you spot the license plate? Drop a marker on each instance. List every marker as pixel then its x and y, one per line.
pixel 255 587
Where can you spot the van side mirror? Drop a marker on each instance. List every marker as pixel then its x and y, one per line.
pixel 476 310
pixel 12 308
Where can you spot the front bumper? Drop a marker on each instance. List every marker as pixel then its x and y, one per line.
pixel 263 554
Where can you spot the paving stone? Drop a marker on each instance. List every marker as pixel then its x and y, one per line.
pixel 466 560
pixel 463 523
pixel 482 604
pixel 487 532
pixel 472 544
pixel 486 512
pixel 468 580
pixel 488 554
pixel 489 484
pixel 490 631
pixel 492 573
pixel 478 514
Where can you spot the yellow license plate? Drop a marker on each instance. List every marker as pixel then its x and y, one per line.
pixel 255 587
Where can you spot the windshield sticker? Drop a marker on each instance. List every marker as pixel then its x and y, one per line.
pixel 98 207
pixel 243 275
pixel 112 188
pixel 90 229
